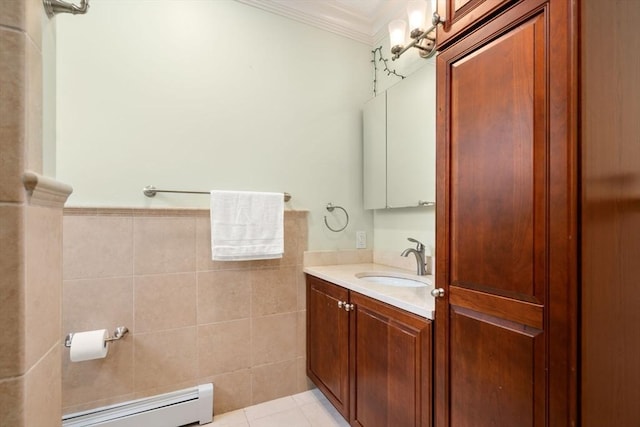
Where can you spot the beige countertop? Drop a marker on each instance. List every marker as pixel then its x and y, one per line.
pixel 417 300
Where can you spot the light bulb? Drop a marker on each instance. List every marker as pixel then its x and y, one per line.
pixel 432 10
pixel 397 30
pixel 416 10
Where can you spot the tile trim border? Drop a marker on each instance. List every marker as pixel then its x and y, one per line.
pixel 44 191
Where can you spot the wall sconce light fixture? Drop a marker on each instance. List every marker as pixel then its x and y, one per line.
pixel 423 39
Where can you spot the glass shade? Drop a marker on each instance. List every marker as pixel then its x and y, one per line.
pixel 397 31
pixel 432 7
pixel 416 9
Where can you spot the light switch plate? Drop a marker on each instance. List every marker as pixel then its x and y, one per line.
pixel 361 239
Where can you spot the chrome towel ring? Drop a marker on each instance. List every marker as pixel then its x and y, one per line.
pixel 330 208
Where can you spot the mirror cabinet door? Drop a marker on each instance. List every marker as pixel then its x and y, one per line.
pixel 375 153
pixel 411 124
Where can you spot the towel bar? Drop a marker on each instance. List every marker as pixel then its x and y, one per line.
pixel 150 191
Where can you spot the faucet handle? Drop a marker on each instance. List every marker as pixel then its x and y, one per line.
pixel 419 245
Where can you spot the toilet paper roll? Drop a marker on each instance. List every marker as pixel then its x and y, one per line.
pixel 89 345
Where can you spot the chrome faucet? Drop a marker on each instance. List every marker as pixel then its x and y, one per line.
pixel 422 261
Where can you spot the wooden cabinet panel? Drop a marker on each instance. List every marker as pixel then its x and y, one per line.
pixel 497 193
pixel 462 15
pixel 495 378
pixel 502 206
pixel 328 341
pixel 390 366
pixel 610 215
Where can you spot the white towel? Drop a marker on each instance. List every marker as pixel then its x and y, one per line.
pixel 246 225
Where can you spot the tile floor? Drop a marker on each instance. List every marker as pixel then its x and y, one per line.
pixel 308 409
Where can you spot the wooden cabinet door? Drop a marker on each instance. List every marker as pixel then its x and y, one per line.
pixel 461 15
pixel 328 341
pixel 390 366
pixel 502 226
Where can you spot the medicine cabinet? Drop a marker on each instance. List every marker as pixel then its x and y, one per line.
pixel 399 143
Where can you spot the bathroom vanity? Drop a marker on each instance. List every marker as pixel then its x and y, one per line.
pixel 369 343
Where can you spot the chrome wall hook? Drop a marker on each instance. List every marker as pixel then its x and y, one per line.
pixel 330 207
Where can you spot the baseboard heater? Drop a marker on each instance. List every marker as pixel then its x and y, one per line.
pixel 173 409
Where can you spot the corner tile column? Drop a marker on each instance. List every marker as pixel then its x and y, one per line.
pixel 30 231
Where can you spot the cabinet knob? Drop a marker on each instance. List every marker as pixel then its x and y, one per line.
pixel 437 293
pixel 348 307
pixel 341 304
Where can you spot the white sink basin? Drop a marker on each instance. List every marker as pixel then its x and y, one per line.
pixel 390 279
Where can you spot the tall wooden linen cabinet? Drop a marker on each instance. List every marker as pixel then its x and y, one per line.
pixel 538 214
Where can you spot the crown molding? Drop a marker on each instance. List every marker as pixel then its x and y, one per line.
pixel 334 17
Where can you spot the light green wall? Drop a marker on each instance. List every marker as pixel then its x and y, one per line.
pixel 201 95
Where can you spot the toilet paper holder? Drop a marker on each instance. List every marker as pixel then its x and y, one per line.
pixel 119 333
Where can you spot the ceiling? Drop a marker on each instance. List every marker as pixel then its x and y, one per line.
pixel 361 20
